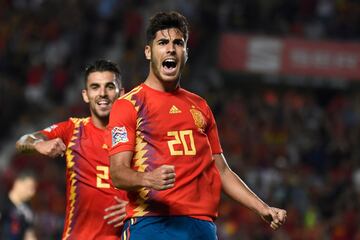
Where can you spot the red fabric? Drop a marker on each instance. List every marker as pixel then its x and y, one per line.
pixel 89 188
pixel 177 129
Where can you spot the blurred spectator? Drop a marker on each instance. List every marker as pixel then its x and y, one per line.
pixel 16 218
pixel 297 145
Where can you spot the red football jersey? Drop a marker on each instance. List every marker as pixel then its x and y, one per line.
pixel 88 187
pixel 176 128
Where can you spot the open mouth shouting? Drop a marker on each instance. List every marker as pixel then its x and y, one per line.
pixel 169 66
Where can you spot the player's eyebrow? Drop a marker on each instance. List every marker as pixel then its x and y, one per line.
pixel 163 39
pixel 179 41
pixel 112 84
pixel 92 85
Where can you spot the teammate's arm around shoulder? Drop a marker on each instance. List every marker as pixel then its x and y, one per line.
pixel 234 187
pixel 38 142
pixel 124 177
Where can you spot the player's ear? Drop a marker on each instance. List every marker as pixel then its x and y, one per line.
pixel 147 52
pixel 186 54
pixel 85 96
pixel 121 92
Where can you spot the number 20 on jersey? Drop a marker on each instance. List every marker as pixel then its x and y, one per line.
pixel 179 145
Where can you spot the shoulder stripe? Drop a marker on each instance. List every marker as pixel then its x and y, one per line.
pixel 128 95
pixel 80 120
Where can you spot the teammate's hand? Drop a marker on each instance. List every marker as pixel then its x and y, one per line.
pixel 52 148
pixel 115 214
pixel 161 178
pixel 275 217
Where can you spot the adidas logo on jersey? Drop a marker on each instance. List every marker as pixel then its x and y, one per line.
pixel 174 109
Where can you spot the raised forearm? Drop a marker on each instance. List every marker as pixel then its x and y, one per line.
pixel 236 188
pixel 127 179
pixel 27 142
pixel 239 191
pixel 124 177
pixel 161 178
pixel 39 143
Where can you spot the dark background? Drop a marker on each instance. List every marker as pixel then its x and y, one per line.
pixel 293 139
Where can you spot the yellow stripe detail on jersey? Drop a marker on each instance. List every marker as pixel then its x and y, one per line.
pixel 129 96
pixel 131 93
pixel 139 162
pixel 70 164
pixel 139 156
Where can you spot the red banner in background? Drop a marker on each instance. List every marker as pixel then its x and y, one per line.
pixel 321 59
pixel 289 56
pixel 232 50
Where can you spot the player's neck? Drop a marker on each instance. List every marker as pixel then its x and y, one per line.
pixel 99 123
pixel 14 198
pixel 153 82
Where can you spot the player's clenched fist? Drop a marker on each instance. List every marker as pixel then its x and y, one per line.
pixel 161 178
pixel 275 217
pixel 52 148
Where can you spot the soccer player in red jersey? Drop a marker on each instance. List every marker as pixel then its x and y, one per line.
pixel 94 208
pixel 165 151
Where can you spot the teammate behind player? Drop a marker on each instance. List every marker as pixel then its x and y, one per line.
pixel 166 152
pixel 88 188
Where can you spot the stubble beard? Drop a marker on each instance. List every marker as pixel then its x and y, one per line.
pixel 156 71
pixel 104 118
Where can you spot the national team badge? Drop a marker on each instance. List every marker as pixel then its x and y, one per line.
pixel 119 135
pixel 198 119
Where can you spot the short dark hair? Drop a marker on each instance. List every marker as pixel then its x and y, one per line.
pixel 165 20
pixel 26 173
pixel 102 65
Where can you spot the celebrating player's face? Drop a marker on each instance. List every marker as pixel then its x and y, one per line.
pixel 101 91
pixel 168 54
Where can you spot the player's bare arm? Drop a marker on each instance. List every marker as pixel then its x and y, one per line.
pixel 234 187
pixel 124 177
pixel 116 213
pixel 39 142
pixel 26 142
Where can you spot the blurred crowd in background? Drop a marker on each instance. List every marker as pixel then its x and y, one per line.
pixel 295 145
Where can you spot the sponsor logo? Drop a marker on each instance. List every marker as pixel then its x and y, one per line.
pixel 174 110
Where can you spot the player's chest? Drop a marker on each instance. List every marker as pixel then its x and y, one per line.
pixel 172 114
pixel 88 146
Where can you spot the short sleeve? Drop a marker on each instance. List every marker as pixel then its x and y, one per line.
pixel 212 133
pixel 121 130
pixel 61 130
